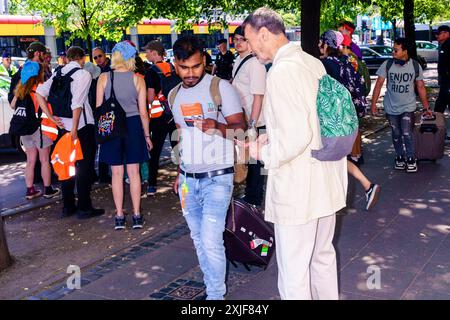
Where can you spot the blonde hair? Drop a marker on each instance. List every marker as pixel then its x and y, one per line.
pixel 118 61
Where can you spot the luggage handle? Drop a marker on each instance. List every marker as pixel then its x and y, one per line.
pixel 233 218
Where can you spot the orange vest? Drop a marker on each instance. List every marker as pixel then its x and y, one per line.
pixel 65 155
pixel 156 110
pixel 48 127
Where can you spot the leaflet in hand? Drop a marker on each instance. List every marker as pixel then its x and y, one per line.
pixel 191 112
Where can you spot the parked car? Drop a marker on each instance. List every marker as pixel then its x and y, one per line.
pixel 383 50
pixel 427 50
pixel 375 55
pixel 373 59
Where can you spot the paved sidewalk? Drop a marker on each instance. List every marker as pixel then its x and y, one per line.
pixel 406 237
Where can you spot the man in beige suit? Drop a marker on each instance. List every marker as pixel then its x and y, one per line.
pixel 303 194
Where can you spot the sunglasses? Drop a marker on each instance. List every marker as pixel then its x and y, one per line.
pixel 99 56
pixel 239 40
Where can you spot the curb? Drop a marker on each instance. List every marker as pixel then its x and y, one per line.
pixel 42 203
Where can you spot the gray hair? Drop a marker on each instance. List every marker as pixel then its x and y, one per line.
pixel 265 17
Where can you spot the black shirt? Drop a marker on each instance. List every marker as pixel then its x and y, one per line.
pixel 152 80
pixel 444 61
pixel 107 67
pixel 224 63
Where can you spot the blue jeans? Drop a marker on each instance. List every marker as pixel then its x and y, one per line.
pixel 205 206
pixel 402 132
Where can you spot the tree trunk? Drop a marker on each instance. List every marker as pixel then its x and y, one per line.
pixel 394 29
pixel 5 257
pixel 310 26
pixel 430 32
pixel 410 30
pixel 89 47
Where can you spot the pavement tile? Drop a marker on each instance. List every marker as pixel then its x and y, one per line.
pixel 263 281
pixel 353 296
pixel 244 294
pixel 421 294
pixel 406 245
pixel 354 278
pixel 435 278
pixel 128 284
pixel 168 259
pixel 82 295
pixel 442 254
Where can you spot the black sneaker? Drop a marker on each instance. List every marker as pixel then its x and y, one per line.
pixel 138 222
pixel 372 195
pixel 400 163
pixel 53 192
pixel 119 223
pixel 411 165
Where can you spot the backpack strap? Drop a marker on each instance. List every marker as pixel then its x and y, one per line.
pixel 389 65
pixel 71 72
pixel 215 93
pixel 416 68
pixel 173 94
pixel 248 57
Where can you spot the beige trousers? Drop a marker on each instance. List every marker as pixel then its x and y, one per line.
pixel 306 260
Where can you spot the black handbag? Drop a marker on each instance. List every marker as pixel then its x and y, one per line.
pixel 111 118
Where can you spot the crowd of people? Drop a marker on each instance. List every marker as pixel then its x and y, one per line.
pixel 202 108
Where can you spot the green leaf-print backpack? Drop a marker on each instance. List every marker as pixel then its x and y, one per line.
pixel 337 118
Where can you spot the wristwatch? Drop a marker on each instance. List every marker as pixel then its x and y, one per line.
pixel 251 124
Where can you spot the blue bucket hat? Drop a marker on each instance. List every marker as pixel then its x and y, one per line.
pixel 30 69
pixel 126 49
pixel 6 54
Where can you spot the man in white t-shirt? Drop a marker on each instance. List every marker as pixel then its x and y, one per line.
pixel 205 179
pixel 249 80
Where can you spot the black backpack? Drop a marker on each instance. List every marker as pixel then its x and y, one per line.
pixel 168 81
pixel 111 118
pixel 60 95
pixel 24 121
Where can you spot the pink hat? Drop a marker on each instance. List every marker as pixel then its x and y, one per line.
pixel 339 38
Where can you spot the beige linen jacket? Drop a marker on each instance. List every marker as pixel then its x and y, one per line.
pixel 299 187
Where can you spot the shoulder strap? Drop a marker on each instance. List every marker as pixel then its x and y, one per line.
pixel 416 68
pixel 389 65
pixel 112 94
pixel 242 63
pixel 71 72
pixel 215 93
pixel 173 94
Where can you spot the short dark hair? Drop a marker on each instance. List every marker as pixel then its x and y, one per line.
pixel 98 48
pixel 265 17
pixel 402 42
pixel 186 47
pixel 75 53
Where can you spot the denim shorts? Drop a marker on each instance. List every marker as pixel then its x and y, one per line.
pixel 128 150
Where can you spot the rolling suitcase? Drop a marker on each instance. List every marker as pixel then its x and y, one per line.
pixel 248 238
pixel 429 137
